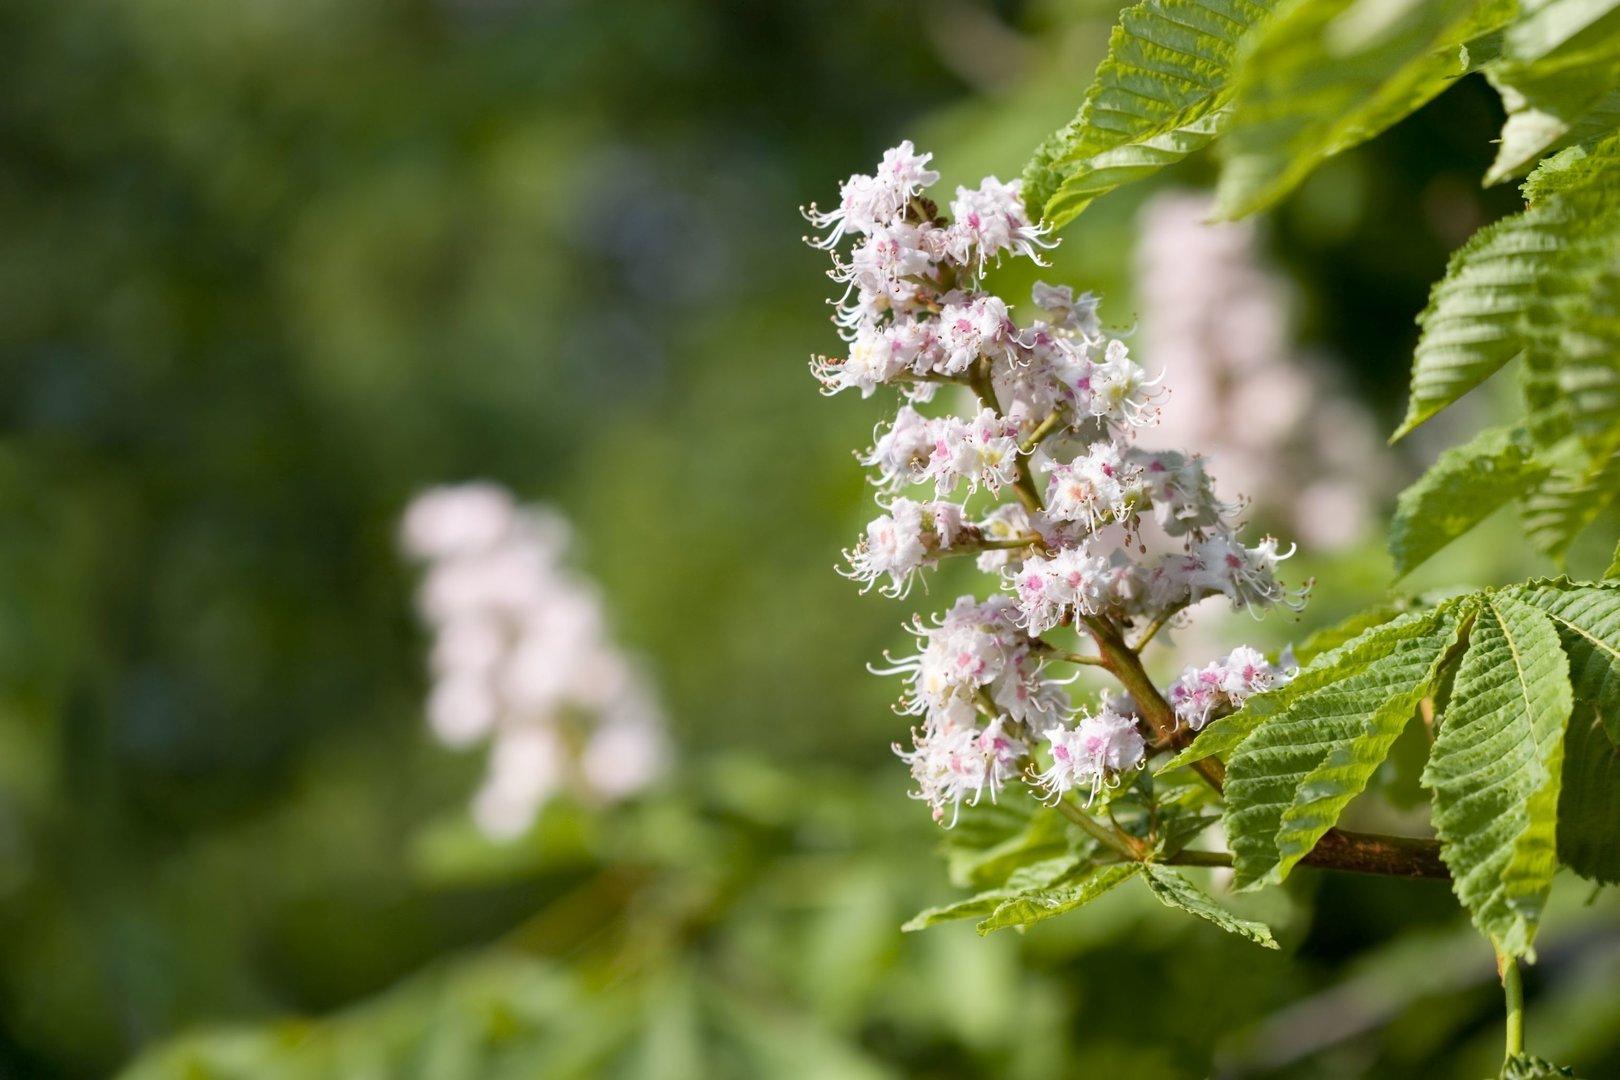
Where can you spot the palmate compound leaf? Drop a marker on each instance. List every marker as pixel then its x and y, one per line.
pixel 1360 655
pixel 1588 622
pixel 1502 290
pixel 1159 95
pixel 1324 75
pixel 1463 487
pixel 1289 780
pixel 1174 890
pixel 1495 769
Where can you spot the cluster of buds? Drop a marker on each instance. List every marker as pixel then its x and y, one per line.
pixel 521 658
pixel 1099 534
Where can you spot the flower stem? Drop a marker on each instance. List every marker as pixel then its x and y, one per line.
pixel 1513 991
pixel 1127 846
pixel 1079 658
pixel 1044 428
pixel 1156 625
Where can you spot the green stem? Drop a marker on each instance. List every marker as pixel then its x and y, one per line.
pixel 1042 430
pixel 1127 846
pixel 1156 625
pixel 1011 542
pixel 1199 858
pixel 1513 990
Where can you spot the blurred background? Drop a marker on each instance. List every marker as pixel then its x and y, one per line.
pixel 270 269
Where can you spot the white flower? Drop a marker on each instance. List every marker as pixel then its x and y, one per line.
pixel 1032 383
pixel 1049 589
pixel 975 646
pixel 464 519
pixel 525 769
pixel 889 255
pixel 1068 311
pixel 1119 390
pixel 1183 496
pixel 867 202
pixel 980 327
pixel 959 763
pixel 902 542
pixel 906 171
pixel 1217 689
pixel 892 547
pixel 873 359
pixel 1100 486
pixel 1244 575
pixel 981 451
pixel 901 452
pixel 1092 753
pixel 990 221
pixel 1026 693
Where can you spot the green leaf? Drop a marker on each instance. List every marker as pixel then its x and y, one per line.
pixel 1159 95
pixel 1174 890
pixel 1361 653
pixel 1566 502
pixel 1495 769
pixel 1025 881
pixel 1463 487
pixel 1589 799
pixel 1039 904
pixel 1324 75
pixel 1571 374
pixel 1329 638
pixel 1613 571
pixel 1549 28
pixel 1287 783
pixel 1502 290
pixel 1587 618
pixel 1559 77
pixel 1588 622
pixel 1548 110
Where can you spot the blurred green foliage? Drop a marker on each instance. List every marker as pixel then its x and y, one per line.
pixel 271 267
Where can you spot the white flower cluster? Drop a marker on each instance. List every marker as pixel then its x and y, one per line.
pixel 1057 398
pixel 1090 754
pixel 521 658
pixel 1206 693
